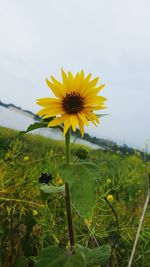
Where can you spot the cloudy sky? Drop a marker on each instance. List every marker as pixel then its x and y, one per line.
pixel 109 38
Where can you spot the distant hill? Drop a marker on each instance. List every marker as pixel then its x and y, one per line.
pixel 101 142
pixel 34 116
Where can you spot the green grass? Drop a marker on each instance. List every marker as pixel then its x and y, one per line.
pixel 29 223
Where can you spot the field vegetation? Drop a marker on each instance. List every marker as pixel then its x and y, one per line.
pixel 30 220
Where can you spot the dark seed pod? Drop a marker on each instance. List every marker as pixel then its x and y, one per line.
pixel 81 153
pixel 45 178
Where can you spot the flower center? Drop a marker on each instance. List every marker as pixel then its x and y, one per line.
pixel 73 103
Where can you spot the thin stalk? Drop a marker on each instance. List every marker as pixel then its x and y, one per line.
pixel 140 223
pixel 68 146
pixel 22 201
pixel 114 212
pixel 69 216
pixel 67 195
pixel 83 220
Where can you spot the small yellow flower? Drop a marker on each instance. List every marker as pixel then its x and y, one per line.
pixel 68 245
pixel 51 152
pixel 26 158
pixel 108 181
pixel 76 99
pixel 35 212
pixel 88 222
pixel 110 198
pixel 58 180
pixel 55 239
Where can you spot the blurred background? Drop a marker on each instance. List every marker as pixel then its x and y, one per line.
pixel 108 38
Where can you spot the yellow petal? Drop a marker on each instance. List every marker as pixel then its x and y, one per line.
pixel 76 82
pixel 55 89
pixel 55 81
pixel 85 85
pixel 74 122
pixel 94 100
pixel 79 81
pixel 88 86
pixel 64 78
pixel 67 124
pixel 83 118
pixel 53 107
pixel 52 114
pixel 99 88
pixel 91 116
pixel 94 82
pixel 59 85
pixel 97 107
pixel 58 121
pixel 70 75
pixel 100 98
pixel 49 112
pixel 70 82
pixel 81 126
pixel 94 91
pixel 88 77
pixel 82 74
pixel 47 102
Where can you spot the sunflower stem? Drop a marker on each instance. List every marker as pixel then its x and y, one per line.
pixel 69 215
pixel 67 194
pixel 68 146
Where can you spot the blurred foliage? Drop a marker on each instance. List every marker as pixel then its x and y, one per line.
pixel 30 221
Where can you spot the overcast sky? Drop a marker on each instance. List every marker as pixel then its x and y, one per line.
pixel 110 38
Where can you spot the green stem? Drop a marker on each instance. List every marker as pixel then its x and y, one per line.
pixel 69 216
pixel 67 195
pixel 114 212
pixel 68 146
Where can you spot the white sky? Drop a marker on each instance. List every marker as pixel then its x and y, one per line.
pixel 109 38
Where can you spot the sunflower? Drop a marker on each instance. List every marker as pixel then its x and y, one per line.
pixel 75 102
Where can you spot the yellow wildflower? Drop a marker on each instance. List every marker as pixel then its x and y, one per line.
pixel 35 212
pixel 75 102
pixel 55 239
pixel 108 181
pixel 58 180
pixel 26 158
pixel 110 198
pixel 88 222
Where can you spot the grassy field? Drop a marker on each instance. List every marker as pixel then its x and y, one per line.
pixel 28 222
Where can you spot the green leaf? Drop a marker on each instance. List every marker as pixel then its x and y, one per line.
pixel 101 115
pixel 51 257
pixel 44 196
pixel 76 260
pixel 21 262
pixel 38 125
pixel 52 189
pixel 48 119
pixel 99 255
pixel 95 256
pixel 34 126
pixel 82 181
